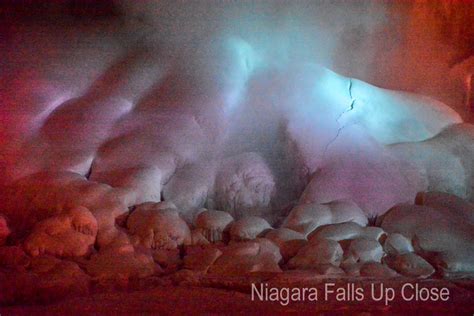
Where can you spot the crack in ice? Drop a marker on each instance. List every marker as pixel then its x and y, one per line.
pixel 339 130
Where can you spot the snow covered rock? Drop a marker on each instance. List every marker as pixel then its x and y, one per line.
pixel 397 244
pixel 445 160
pixel 281 235
pixel 163 143
pixel 446 239
pixel 359 175
pixel 168 259
pixel 375 233
pixel 197 238
pixel 377 270
pixel 244 186
pixel 248 228
pixel 344 231
pixel 319 252
pixel 289 241
pixel 446 201
pixel 158 226
pixel 212 224
pixel 337 232
pixel 410 264
pixel 70 234
pixel 363 250
pixel 190 187
pixel 241 258
pixel 305 218
pixel 457 264
pixel 121 262
pixel 347 211
pixel 142 184
pixel 48 194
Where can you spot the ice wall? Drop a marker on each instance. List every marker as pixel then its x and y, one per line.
pixel 129 99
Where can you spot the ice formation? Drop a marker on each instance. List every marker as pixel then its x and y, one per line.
pixel 213 225
pixel 69 234
pixel 293 163
pixel 109 149
pixel 158 226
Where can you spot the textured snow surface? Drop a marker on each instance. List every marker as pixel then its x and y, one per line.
pixel 184 144
pixel 224 161
pixel 146 126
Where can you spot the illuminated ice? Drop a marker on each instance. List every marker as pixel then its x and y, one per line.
pixel 233 127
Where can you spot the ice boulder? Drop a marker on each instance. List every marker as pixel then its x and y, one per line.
pixel 158 226
pixel 447 201
pixel 69 234
pixel 212 224
pixel 446 240
pixel 121 263
pixel 359 173
pixel 289 241
pixel 316 253
pixel 249 227
pixel 190 187
pixel 445 160
pixel 44 195
pixel 244 186
pixel 242 258
pixel 307 217
pixel 410 264
pixel 346 231
pixel 363 250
